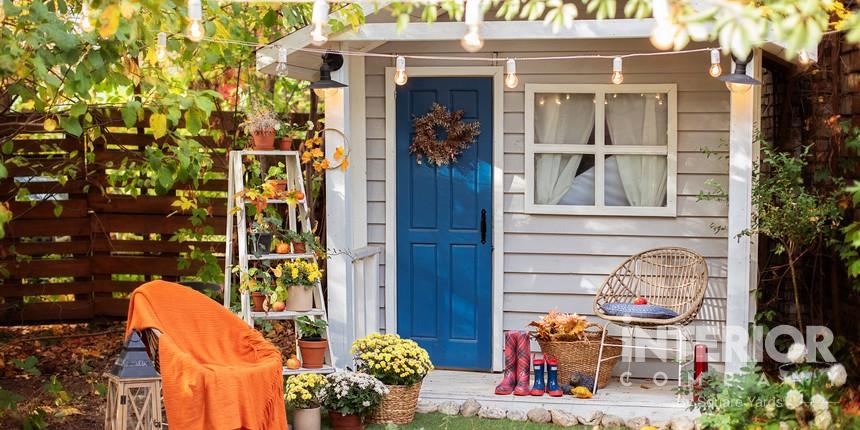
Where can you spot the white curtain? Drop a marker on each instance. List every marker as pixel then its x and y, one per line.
pixel 640 119
pixel 563 121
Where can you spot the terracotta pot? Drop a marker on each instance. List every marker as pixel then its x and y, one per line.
pixel 306 419
pixel 259 299
pixel 339 421
pixel 300 298
pixel 299 247
pixel 285 144
pixel 313 353
pixel 264 140
pixel 280 185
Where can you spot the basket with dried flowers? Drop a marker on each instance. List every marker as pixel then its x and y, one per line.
pixel 567 338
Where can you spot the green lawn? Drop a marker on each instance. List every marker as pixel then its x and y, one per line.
pixel 438 421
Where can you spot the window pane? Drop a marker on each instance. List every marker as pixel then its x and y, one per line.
pixel 637 119
pixel 564 179
pixel 635 180
pixel 564 118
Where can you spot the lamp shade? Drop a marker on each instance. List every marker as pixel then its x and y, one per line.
pixel 133 362
pixel 331 62
pixel 738 80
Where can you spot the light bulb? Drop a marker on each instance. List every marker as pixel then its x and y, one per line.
pixel 804 58
pixel 617 76
pixel 738 88
pixel 663 35
pixel 472 41
pixel 715 69
pixel 2 10
pixel 161 49
pixel 400 76
pixel 325 92
pixel 84 19
pixel 195 31
pixel 319 17
pixel 511 80
pixel 281 68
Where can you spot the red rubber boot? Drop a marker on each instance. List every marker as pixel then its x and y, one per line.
pixel 509 380
pixel 523 364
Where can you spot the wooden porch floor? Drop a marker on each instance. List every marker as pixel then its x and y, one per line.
pixel 641 398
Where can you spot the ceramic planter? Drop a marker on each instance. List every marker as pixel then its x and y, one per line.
pixel 264 140
pixel 300 298
pixel 313 353
pixel 345 422
pixel 260 243
pixel 258 300
pixel 285 144
pixel 299 247
pixel 306 419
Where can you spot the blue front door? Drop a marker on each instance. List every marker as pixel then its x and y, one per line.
pixel 444 229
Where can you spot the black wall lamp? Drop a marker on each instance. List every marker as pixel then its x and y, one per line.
pixel 331 62
pixel 738 81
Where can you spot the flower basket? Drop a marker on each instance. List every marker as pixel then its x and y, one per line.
pixel 582 355
pixel 398 406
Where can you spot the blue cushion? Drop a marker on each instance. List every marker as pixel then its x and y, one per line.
pixel 638 311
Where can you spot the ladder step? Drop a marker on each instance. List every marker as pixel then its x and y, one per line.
pixel 267 152
pixel 276 201
pixel 286 315
pixel 280 256
pixel 324 370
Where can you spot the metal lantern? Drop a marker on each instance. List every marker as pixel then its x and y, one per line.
pixel 134 390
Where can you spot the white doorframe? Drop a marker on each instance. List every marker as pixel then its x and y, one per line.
pixel 496 72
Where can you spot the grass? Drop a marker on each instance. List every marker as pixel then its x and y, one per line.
pixel 444 422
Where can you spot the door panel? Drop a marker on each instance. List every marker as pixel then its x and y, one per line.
pixel 444 269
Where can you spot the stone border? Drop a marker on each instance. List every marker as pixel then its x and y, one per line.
pixel 598 419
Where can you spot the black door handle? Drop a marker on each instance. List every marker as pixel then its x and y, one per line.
pixel 483 226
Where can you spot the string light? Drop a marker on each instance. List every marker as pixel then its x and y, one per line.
pixel 2 10
pixel 511 80
pixel 84 22
pixel 400 70
pixel 715 69
pixel 195 16
pixel 472 41
pixel 617 76
pixel 319 17
pixel 663 34
pixel 804 58
pixel 161 49
pixel 281 68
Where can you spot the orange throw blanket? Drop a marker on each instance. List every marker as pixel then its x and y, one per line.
pixel 217 372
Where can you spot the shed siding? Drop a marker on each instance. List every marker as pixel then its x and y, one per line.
pixel 559 261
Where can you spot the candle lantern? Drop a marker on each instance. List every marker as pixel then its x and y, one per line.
pixel 134 390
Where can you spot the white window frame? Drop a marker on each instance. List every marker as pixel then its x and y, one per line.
pixel 599 150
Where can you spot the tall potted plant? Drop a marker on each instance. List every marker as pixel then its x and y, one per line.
pixel 303 395
pixel 298 277
pixel 401 365
pixel 312 344
pixel 257 281
pixel 349 396
pixel 262 126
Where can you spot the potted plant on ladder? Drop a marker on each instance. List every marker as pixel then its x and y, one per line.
pixel 312 344
pixel 262 126
pixel 299 277
pixel 303 395
pixel 256 281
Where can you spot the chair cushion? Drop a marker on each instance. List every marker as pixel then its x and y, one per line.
pixel 638 311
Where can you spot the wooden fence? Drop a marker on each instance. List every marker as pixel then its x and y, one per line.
pixel 81 262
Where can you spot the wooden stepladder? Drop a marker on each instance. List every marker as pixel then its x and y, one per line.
pixel 296 219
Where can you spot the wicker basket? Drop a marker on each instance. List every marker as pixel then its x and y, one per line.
pixel 398 406
pixel 581 356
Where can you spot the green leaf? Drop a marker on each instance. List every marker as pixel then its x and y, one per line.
pixel 158 124
pixel 72 125
pixel 129 113
pixel 78 109
pixel 193 121
pixel 58 209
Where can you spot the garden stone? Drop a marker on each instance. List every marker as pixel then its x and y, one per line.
pixel 539 415
pixel 681 422
pixel 449 408
pixel 470 408
pixel 638 422
pixel 594 420
pixel 491 413
pixel 517 415
pixel 562 418
pixel 612 421
pixel 426 406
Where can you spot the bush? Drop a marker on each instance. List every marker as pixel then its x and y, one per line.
pixel 392 360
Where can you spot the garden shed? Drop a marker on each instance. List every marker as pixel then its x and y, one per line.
pixel 570 175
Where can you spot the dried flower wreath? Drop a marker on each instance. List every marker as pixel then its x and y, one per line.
pixel 459 135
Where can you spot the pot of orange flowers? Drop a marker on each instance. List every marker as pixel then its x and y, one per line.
pixel 298 277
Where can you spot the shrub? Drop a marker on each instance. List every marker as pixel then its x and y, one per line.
pixel 392 360
pixel 351 393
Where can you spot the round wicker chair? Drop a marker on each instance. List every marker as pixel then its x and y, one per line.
pixel 674 278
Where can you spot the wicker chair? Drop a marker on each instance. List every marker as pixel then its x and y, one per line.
pixel 674 278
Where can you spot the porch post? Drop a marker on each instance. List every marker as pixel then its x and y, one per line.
pixel 740 300
pixel 338 230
